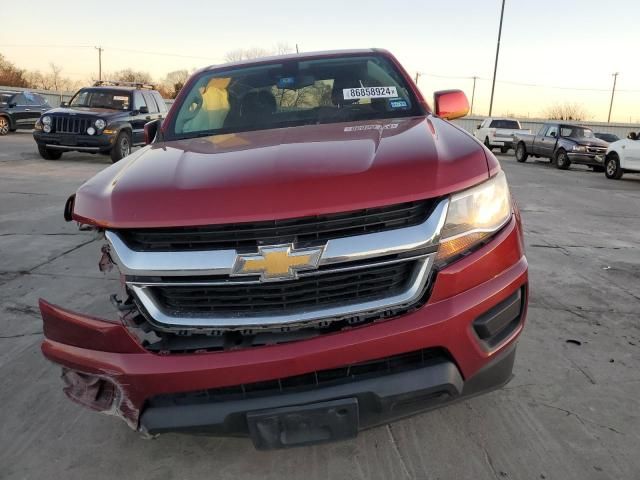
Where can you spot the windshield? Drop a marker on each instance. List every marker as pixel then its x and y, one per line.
pixel 576 132
pixel 507 124
pixel 292 93
pixel 111 99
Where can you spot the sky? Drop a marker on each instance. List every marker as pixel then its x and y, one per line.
pixel 551 51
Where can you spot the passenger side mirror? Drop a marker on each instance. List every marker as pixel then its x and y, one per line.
pixel 450 104
pixel 64 104
pixel 144 110
pixel 478 127
pixel 552 134
pixel 151 130
pixel 12 105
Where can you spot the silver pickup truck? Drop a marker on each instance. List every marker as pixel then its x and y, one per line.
pixel 563 144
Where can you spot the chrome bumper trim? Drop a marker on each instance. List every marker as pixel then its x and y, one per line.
pixel 162 320
pixel 221 262
pixel 68 147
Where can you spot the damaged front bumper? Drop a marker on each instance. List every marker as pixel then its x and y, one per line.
pixel 475 312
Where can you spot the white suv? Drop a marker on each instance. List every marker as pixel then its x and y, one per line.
pixel 499 132
pixel 623 156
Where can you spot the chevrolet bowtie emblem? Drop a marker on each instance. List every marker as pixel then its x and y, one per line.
pixel 281 262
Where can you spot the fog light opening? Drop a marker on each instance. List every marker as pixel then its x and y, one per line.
pixel 91 391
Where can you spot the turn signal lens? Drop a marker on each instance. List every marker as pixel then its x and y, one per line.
pixel 473 215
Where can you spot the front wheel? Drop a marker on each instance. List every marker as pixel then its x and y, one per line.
pixel 48 153
pixel 521 153
pixel 612 167
pixel 562 160
pixel 121 147
pixel 4 126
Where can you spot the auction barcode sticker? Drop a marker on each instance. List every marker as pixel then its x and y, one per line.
pixel 369 92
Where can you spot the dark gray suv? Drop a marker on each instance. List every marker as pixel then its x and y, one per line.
pixel 20 110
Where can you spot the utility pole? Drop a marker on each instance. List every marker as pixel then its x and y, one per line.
pixel 100 49
pixel 613 92
pixel 495 68
pixel 418 75
pixel 473 93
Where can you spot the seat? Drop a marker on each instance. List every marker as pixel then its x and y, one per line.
pixel 257 107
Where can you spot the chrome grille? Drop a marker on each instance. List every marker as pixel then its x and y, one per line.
pixel 277 297
pixel 69 124
pixel 301 231
pixel 597 150
pixel 374 275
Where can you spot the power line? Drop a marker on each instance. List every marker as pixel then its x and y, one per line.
pixel 527 84
pixel 144 52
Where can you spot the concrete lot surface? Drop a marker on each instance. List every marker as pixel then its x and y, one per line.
pixel 571 412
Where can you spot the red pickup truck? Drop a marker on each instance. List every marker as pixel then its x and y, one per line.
pixel 306 249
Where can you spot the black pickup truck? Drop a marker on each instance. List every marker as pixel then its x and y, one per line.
pixel 563 144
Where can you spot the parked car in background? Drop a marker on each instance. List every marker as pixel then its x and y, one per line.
pixel 623 156
pixel 498 133
pixel 563 144
pixel 20 110
pixel 607 137
pixel 107 118
pixel 306 250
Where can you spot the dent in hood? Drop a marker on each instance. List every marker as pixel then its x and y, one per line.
pixel 283 173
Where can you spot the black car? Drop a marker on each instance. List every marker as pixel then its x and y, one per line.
pixel 607 137
pixel 107 118
pixel 20 110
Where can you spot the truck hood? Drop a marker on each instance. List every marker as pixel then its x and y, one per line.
pixel 95 112
pixel 589 141
pixel 283 173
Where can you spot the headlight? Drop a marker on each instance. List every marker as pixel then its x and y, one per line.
pixel 579 148
pixel 100 124
pixel 46 120
pixel 474 215
pixel 47 128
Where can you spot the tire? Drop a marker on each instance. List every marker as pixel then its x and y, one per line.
pixel 521 153
pixel 4 126
pixel 121 147
pixel 487 144
pixel 562 160
pixel 612 168
pixel 48 153
pixel 504 150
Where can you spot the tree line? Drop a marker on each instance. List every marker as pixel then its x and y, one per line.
pixel 53 78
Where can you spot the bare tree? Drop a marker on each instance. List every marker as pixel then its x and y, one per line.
pixel 282 48
pixel 566 111
pixel 10 75
pixel 173 83
pixel 55 75
pixel 130 75
pixel 239 54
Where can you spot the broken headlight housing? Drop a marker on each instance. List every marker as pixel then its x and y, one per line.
pixel 473 216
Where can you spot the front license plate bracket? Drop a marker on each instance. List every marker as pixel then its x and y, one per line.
pixel 304 424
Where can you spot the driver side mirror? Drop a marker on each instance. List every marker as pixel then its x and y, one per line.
pixel 478 127
pixel 552 134
pixel 144 110
pixel 450 104
pixel 151 130
pixel 64 104
pixel 12 104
